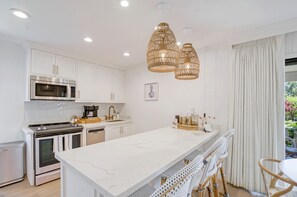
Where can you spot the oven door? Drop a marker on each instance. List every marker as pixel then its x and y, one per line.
pixel 75 140
pixel 45 148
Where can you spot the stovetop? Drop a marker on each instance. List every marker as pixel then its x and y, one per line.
pixel 55 128
pixel 49 126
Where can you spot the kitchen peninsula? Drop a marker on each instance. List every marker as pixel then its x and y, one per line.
pixel 122 166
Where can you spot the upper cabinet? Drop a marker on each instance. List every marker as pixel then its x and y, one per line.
pixel 109 85
pixel 103 84
pixel 42 63
pixel 65 67
pixel 85 82
pixel 48 64
pixel 118 86
pixel 94 83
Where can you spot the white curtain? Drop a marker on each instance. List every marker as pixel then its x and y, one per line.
pixel 257 109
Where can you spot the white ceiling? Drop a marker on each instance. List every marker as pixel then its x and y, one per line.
pixel 64 23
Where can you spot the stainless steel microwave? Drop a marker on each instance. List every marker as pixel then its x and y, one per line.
pixel 47 88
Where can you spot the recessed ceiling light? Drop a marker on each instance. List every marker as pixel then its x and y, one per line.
pixel 178 43
pixel 20 13
pixel 124 3
pixel 88 39
pixel 127 54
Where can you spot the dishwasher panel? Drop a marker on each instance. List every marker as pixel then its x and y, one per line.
pixel 95 135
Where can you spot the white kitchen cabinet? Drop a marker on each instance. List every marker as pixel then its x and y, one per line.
pixel 109 85
pixel 42 63
pixel 118 86
pixel 127 130
pixel 112 132
pixel 65 67
pixel 49 64
pixel 85 82
pixel 118 131
pixel 103 84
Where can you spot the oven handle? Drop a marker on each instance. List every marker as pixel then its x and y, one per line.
pixel 66 138
pixel 55 145
pixel 60 139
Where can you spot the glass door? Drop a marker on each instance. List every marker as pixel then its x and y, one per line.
pixel 45 154
pixel 75 140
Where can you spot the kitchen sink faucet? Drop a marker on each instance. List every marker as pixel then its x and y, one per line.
pixel 114 111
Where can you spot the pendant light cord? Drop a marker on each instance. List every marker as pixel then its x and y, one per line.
pixel 163 12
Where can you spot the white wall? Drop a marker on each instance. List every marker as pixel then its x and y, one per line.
pixel 209 93
pixel 12 90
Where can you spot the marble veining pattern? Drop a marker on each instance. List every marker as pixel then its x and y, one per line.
pixel 120 167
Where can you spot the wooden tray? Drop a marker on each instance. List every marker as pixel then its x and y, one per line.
pixel 88 120
pixel 188 127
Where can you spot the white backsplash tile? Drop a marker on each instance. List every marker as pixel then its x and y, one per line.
pixel 60 111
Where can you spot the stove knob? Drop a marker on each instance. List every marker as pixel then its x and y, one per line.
pixel 44 128
pixel 38 129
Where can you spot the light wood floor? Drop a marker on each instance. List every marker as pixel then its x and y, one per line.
pixel 52 189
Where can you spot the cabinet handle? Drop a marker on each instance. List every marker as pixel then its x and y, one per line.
pixel 78 94
pixel 111 96
pixel 54 69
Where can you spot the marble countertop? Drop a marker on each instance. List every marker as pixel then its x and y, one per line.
pixel 120 167
pixel 105 123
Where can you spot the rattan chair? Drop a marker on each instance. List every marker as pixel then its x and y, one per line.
pixel 272 190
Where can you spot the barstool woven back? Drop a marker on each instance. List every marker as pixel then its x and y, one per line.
pixel 179 184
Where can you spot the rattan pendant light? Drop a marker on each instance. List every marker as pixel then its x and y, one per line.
pixel 162 53
pixel 189 65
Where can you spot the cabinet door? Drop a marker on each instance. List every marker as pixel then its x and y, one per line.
pixel 42 63
pixel 103 84
pixel 118 86
pixel 85 81
pixel 127 130
pixel 112 132
pixel 65 67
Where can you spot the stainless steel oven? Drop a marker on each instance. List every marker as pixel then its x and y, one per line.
pixel 47 88
pixel 49 139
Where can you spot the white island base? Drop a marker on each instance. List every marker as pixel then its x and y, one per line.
pixel 122 166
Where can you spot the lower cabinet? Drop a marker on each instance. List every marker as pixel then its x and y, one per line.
pixel 118 131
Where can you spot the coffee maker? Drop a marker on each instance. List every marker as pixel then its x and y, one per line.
pixel 90 111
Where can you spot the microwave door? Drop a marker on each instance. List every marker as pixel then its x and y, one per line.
pixel 45 154
pixel 49 91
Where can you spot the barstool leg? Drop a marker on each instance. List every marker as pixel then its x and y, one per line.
pixel 210 190
pixel 215 186
pixel 226 193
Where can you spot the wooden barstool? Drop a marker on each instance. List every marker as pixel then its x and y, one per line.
pixel 228 136
pixel 272 190
pixel 179 185
pixel 212 156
